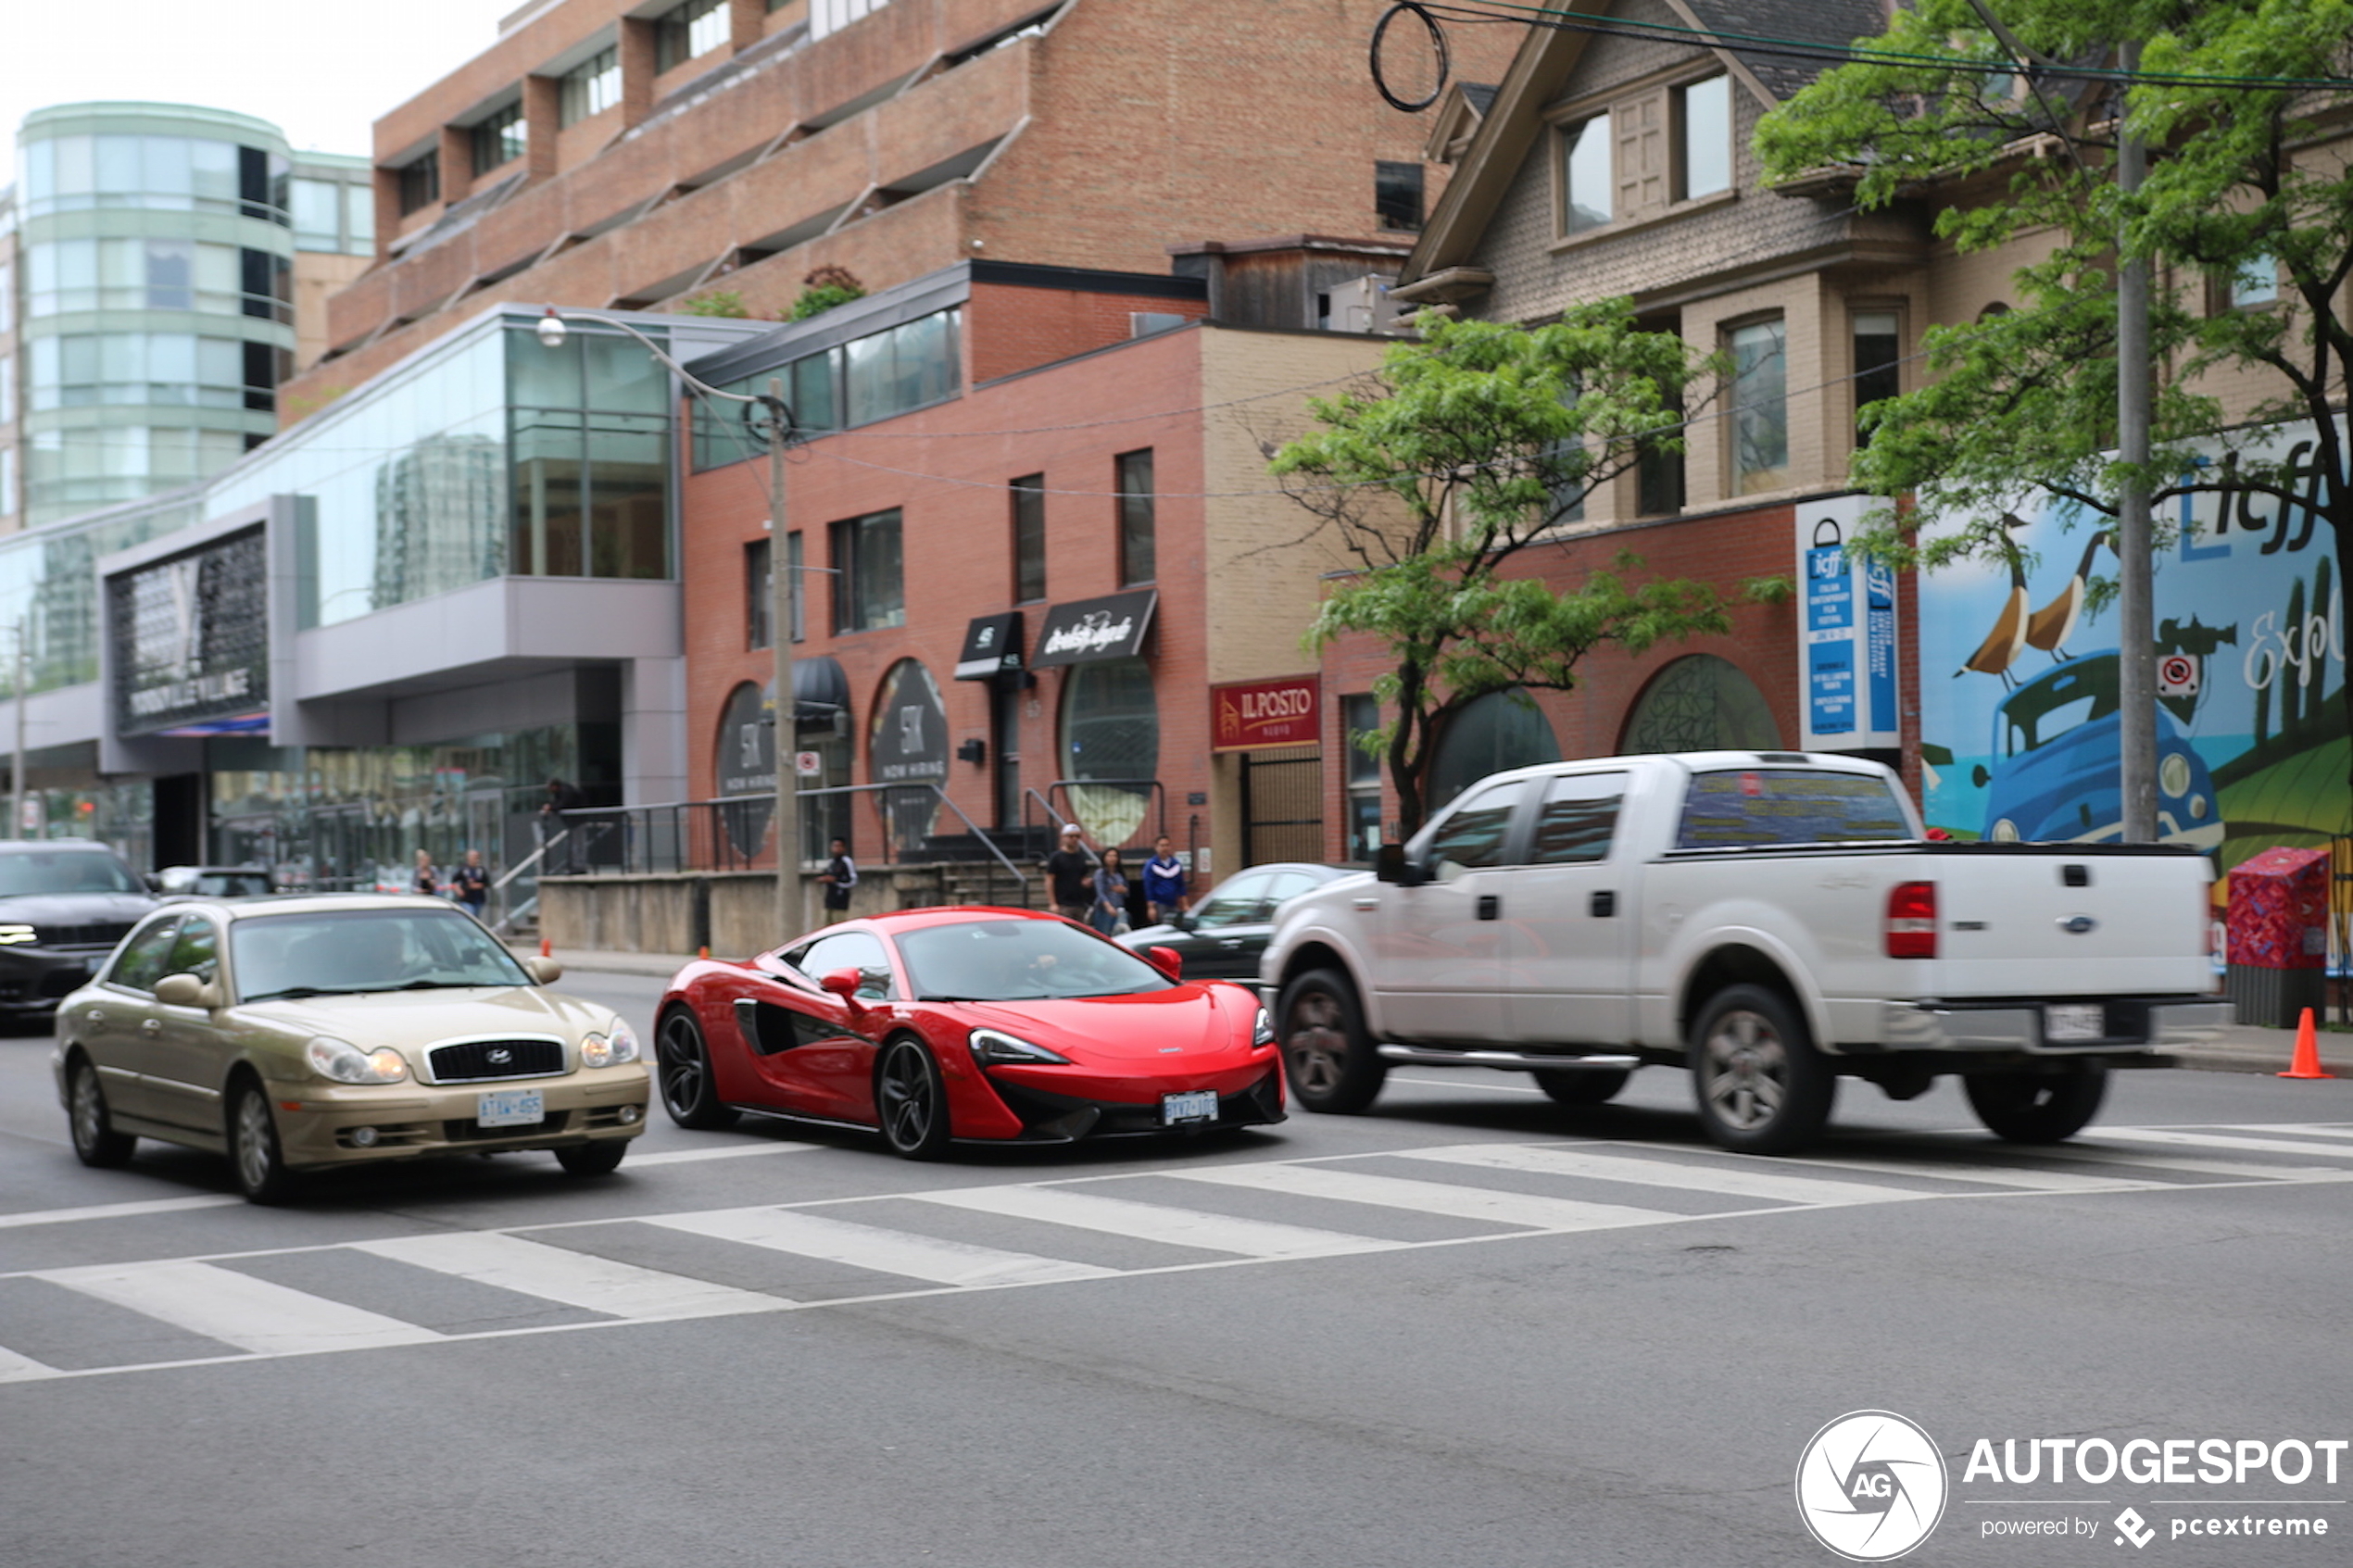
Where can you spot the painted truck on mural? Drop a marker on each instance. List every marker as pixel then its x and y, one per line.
pixel 1772 920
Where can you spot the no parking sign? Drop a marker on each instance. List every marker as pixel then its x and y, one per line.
pixel 2177 675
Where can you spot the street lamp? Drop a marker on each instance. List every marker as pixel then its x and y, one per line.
pixel 776 426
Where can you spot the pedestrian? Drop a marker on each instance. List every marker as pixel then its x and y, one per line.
pixel 470 883
pixel 1164 885
pixel 562 798
pixel 426 879
pixel 1110 913
pixel 839 877
pixel 1072 871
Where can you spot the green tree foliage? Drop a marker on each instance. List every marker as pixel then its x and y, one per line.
pixel 718 302
pixel 2247 118
pixel 825 288
pixel 1465 450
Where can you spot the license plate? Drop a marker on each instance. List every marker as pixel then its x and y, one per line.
pixel 2075 1022
pixel 509 1107
pixel 1200 1105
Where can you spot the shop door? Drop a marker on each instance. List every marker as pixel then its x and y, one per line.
pixel 1004 745
pixel 1283 804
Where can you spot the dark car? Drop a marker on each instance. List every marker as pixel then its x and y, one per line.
pixel 64 904
pixel 1222 936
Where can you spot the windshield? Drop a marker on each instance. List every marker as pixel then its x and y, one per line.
pixel 345 950
pixel 1020 961
pixel 33 872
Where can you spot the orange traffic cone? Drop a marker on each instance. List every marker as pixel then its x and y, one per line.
pixel 546 948
pixel 704 952
pixel 2307 1052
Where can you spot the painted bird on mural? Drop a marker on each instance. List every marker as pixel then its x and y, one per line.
pixel 2050 627
pixel 1993 655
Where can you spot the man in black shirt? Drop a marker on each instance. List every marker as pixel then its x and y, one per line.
pixel 841 876
pixel 1072 871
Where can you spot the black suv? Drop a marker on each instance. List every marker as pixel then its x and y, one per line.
pixel 64 904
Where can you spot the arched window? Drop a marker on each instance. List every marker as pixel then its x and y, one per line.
pixel 1111 730
pixel 1701 703
pixel 1493 733
pixel 907 743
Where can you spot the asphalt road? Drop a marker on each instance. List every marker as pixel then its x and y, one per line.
pixel 1469 1329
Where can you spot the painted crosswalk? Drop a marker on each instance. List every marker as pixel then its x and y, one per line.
pixel 439 1286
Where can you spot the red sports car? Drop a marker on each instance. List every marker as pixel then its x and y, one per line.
pixel 987 1025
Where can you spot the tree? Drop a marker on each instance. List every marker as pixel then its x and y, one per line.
pixel 2245 107
pixel 824 289
pixel 1467 449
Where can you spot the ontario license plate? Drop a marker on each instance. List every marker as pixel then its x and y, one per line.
pixel 1200 1105
pixel 2075 1022
pixel 509 1107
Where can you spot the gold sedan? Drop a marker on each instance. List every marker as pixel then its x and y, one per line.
pixel 297 1034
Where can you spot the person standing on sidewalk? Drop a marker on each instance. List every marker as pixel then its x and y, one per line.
pixel 1110 913
pixel 427 877
pixel 470 883
pixel 1164 884
pixel 1072 871
pixel 839 877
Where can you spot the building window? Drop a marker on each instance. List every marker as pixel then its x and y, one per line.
pixel 1397 196
pixel 590 88
pixel 499 139
pixel 1487 735
pixel 1700 703
pixel 1760 407
pixel 795 587
pixel 759 589
pixel 421 182
pixel 7 480
pixel 2257 282
pixel 832 16
pixel 870 589
pixel 876 377
pixel 1029 538
pixel 696 28
pixel 1879 363
pixel 1360 716
pixel 1703 138
pixel 1111 743
pixel 7 395
pixel 1586 181
pixel 1136 520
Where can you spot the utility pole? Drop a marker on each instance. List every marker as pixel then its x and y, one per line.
pixel 2135 622
pixel 781 582
pixel 16 770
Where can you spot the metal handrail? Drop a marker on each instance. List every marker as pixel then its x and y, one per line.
pixel 531 859
pixel 607 815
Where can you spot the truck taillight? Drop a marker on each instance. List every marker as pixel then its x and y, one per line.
pixel 1911 920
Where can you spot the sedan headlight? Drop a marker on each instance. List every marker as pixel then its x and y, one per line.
pixel 990 1045
pixel 15 935
pixel 610 1049
pixel 346 1063
pixel 1262 1030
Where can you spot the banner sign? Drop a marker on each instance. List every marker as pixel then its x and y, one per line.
pixel 1111 627
pixel 992 645
pixel 1846 636
pixel 192 641
pixel 1251 715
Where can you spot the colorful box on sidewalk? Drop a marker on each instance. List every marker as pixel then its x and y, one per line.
pixel 2278 915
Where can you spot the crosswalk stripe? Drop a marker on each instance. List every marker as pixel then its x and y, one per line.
pixel 725 1151
pixel 576 1279
pixel 1153 1221
pixel 2213 1140
pixel 252 1314
pixel 114 1211
pixel 2194 1165
pixel 2022 1178
pixel 2302 1129
pixel 1429 1197
pixel 872 1246
pixel 22 1369
pixel 1560 1161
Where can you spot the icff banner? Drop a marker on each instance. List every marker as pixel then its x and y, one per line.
pixel 1846 635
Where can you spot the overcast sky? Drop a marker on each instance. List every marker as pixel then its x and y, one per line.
pixel 321 69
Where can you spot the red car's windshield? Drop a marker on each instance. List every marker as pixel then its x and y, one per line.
pixel 1017 960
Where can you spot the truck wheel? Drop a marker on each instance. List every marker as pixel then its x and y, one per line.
pixel 1582 1088
pixel 1327 1057
pixel 1762 1087
pixel 2035 1107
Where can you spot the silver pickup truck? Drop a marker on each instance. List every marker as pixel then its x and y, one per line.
pixel 1772 920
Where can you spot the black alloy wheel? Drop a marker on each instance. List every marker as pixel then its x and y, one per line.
pixel 2037 1107
pixel 95 1142
pixel 254 1158
pixel 1762 1087
pixel 909 1102
pixel 1596 1087
pixel 682 1067
pixel 1330 1061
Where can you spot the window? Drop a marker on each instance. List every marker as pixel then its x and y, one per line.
pixel 178 369
pixel 141 962
pixel 795 587
pixel 849 949
pixel 317 214
pixel 1760 407
pixel 1397 196
pixel 7 398
pixel 421 182
pixel 696 28
pixel 1586 180
pixel 1577 820
pixel 155 274
pixel 1877 363
pixel 760 587
pixel 1241 900
pixel 876 377
pixel 590 88
pixel 1700 703
pixel 1478 835
pixel 2257 282
pixel 1703 138
pixel 1489 735
pixel 832 16
pixel 1789 806
pixel 1029 538
pixel 1360 716
pixel 1135 522
pixel 198 950
pixel 7 480
pixel 8 297
pixel 869 574
pixel 500 139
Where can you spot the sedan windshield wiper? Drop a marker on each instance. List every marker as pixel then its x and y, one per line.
pixel 296 991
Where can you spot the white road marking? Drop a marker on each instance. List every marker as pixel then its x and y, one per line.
pixel 2303 1129
pixel 114 1211
pixel 2210 1140
pixel 1429 1197
pixel 252 1314
pixel 1153 1221
pixel 725 1151
pixel 873 1246
pixel 576 1279
pixel 21 1369
pixel 2194 1165
pixel 2017 1176
pixel 1561 1160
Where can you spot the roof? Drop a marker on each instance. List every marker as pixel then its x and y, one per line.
pixel 1835 22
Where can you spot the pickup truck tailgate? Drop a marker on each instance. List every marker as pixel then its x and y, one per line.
pixel 2070 919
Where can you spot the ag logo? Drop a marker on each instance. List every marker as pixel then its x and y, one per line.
pixel 1870 1485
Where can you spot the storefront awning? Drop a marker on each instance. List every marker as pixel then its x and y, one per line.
pixel 820 690
pixel 993 642
pixel 1111 627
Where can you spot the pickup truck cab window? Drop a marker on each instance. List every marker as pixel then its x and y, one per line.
pixel 1741 806
pixel 1579 819
pixel 1477 833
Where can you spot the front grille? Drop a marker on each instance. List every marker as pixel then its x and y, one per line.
pixel 464 1061
pixel 105 934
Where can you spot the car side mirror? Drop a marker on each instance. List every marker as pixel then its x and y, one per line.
pixel 843 983
pixel 154 882
pixel 1389 864
pixel 541 969
pixel 1168 961
pixel 187 991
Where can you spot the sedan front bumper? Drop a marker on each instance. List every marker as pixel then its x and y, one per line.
pixel 316 1121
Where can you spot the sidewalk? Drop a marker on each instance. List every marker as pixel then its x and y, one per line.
pixel 2244 1048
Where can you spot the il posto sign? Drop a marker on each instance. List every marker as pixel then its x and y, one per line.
pixel 1247 715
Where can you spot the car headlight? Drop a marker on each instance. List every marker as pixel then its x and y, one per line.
pixel 610 1049
pixel 990 1045
pixel 1262 1030
pixel 13 936
pixel 346 1063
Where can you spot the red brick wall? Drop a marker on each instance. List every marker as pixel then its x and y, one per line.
pixel 1008 327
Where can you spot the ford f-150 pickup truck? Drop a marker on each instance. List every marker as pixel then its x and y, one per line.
pixel 1772 920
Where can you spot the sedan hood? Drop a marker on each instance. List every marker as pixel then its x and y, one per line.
pixel 419 1018
pixel 1150 1027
